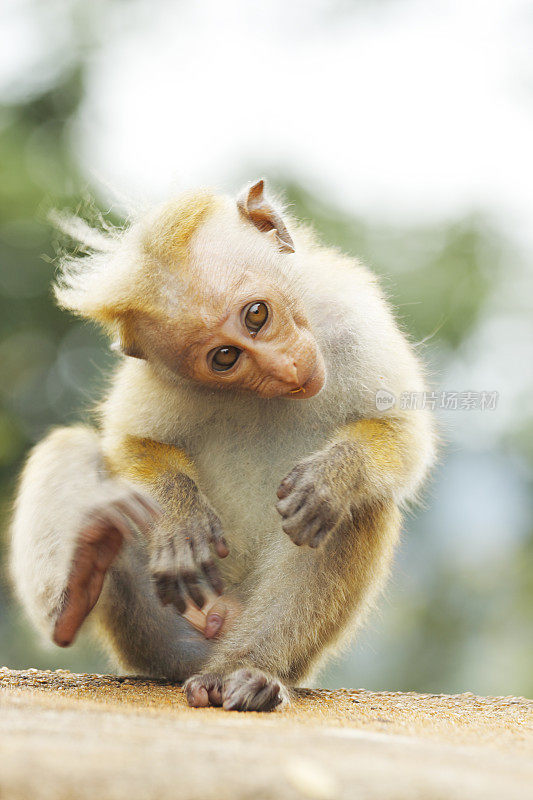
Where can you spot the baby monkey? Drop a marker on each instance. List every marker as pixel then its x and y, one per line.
pixel 233 514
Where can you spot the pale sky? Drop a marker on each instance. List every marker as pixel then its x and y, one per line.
pixel 399 108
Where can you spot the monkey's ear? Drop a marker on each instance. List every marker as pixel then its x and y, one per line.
pixel 253 204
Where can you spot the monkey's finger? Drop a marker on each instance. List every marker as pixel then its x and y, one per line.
pixel 194 615
pixel 203 557
pixel 78 605
pixel 319 537
pixel 113 516
pixel 308 532
pixel 266 699
pixel 196 693
pixel 212 574
pixel 187 569
pixel 135 512
pixel 192 585
pixel 97 547
pixel 169 591
pixel 151 505
pixel 297 522
pixel 289 482
pixel 99 543
pixel 319 503
pixel 108 548
pixel 178 597
pixel 241 688
pixel 201 690
pixel 292 503
pixel 198 697
pixel 215 694
pixel 164 586
pixel 217 538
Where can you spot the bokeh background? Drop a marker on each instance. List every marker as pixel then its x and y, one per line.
pixel 403 130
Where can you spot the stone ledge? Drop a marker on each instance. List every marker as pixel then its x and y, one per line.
pixel 81 736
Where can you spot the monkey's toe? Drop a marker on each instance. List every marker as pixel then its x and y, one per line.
pixel 203 690
pixel 252 690
pixel 312 521
pixel 243 690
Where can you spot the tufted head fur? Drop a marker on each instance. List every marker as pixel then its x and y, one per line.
pixel 202 288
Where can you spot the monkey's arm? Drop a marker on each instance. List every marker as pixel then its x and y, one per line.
pixel 367 461
pixel 180 542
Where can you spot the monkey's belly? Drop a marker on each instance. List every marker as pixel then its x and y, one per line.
pixel 240 477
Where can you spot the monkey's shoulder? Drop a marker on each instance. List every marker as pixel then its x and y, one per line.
pixel 142 404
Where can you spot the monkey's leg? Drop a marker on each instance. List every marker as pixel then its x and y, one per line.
pixel 341 501
pixel 142 635
pixel 297 613
pixel 68 525
pixel 102 534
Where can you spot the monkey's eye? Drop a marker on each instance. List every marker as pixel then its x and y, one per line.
pixel 224 358
pixel 256 316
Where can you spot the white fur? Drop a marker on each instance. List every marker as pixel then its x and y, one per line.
pixel 242 445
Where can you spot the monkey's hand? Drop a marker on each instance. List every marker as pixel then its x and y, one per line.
pixel 181 549
pixel 318 495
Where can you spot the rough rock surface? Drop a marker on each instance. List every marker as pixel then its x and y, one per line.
pixel 84 736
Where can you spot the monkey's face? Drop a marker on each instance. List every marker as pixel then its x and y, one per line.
pixel 219 299
pixel 255 339
pixel 239 314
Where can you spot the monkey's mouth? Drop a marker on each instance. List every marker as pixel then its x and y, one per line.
pixel 312 385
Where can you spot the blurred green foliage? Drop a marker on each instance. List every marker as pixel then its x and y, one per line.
pixel 454 264
pixel 47 363
pixel 449 622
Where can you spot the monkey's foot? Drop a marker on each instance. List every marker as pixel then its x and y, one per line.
pixel 100 539
pixel 243 690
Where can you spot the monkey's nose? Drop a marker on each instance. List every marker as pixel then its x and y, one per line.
pixel 286 371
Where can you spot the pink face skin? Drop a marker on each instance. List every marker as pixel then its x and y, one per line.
pixel 268 347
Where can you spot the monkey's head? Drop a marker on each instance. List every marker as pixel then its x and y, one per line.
pixel 208 289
